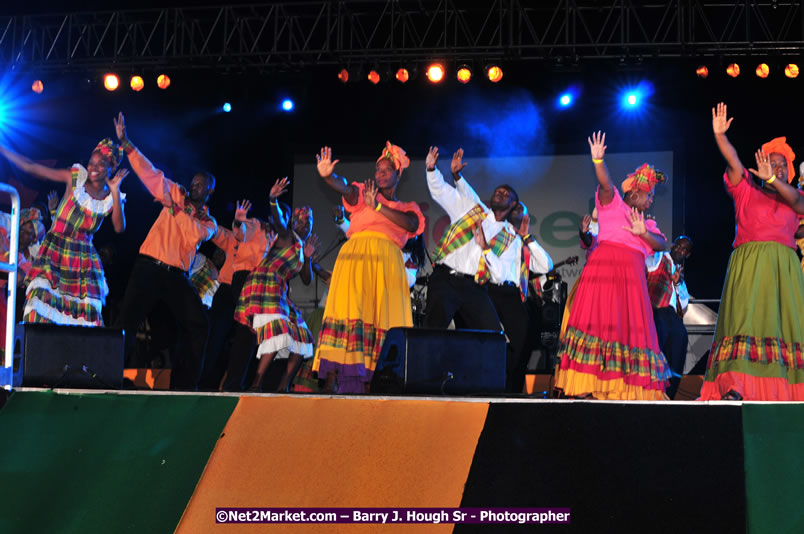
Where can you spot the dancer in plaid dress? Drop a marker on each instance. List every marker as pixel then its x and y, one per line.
pixel 264 304
pixel 66 284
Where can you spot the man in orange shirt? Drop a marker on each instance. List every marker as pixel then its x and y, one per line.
pixel 160 272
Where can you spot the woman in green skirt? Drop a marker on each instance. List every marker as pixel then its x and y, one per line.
pixel 758 349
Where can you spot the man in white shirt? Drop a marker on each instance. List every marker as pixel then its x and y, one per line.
pixel 476 248
pixel 669 297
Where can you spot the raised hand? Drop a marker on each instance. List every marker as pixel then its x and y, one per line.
pixel 120 127
pixel 678 276
pixel 597 144
pixel 719 121
pixel 241 213
pixel 480 238
pixel 585 222
pixel 370 194
pixel 432 158
pixel 52 201
pixel 324 162
pixel 279 188
pixel 115 182
pixel 763 164
pixel 524 227
pixel 311 246
pixel 637 219
pixel 457 164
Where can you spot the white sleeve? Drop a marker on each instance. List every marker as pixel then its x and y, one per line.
pixel 449 198
pixel 540 260
pixel 683 295
pixel 344 226
pixel 653 261
pixel 467 190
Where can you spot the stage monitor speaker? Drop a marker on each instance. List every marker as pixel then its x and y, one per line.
pixel 438 362
pixel 71 356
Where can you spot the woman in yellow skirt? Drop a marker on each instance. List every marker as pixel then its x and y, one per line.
pixel 369 290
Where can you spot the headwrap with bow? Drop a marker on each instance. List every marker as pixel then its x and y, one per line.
pixel 644 178
pixel 396 156
pixel 34 216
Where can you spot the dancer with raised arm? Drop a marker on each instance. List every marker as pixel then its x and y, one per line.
pixel 610 349
pixel 160 272
pixel 368 291
pixel 264 306
pixel 66 284
pixel 757 350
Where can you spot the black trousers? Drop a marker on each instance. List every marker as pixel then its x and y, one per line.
pixel 514 318
pixel 221 319
pixel 449 295
pixel 151 284
pixel 673 341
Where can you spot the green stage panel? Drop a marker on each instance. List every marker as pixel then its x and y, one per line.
pixel 103 463
pixel 774 467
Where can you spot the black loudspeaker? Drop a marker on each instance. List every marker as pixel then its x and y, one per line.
pixel 453 362
pixel 70 356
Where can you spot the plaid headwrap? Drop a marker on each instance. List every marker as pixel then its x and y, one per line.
pixel 780 146
pixel 644 178
pixel 396 156
pixel 111 151
pixel 304 213
pixel 34 216
pixel 460 233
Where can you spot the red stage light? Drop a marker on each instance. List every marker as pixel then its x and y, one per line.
pixel 435 72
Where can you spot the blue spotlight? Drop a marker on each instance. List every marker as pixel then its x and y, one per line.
pixel 287 104
pixel 631 99
pixel 565 100
pixel 227 107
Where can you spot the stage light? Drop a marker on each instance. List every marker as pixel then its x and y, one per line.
pixel 287 104
pixel 137 83
pixel 38 87
pixel 402 75
pixel 464 74
pixel 111 82
pixel 791 70
pixel 374 77
pixel 733 70
pixel 435 73
pixel 702 71
pixel 227 107
pixel 565 100
pixel 494 73
pixel 343 75
pixel 762 70
pixel 163 81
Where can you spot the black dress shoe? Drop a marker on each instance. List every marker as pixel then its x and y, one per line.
pixel 732 395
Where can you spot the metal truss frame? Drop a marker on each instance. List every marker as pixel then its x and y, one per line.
pixel 293 35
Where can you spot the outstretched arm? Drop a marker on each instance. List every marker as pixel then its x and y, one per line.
pixel 325 166
pixel 310 247
pixel 597 146
pixel 35 169
pixel 118 214
pixel 720 125
pixel 283 230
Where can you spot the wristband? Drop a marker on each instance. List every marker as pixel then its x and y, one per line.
pixel 596 161
pixel 273 203
pixel 378 207
pixel 771 179
pixel 526 237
